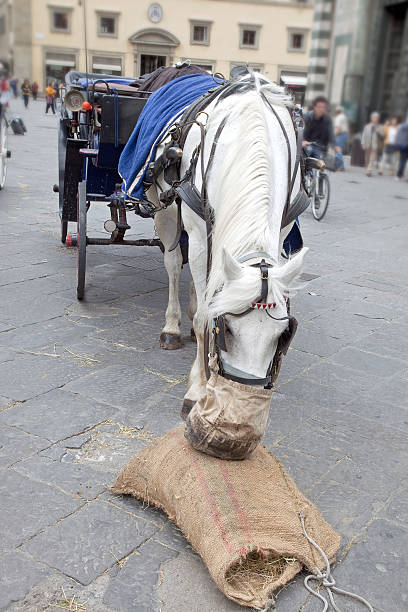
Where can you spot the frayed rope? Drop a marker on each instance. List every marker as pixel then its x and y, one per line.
pixel 326 579
pixel 270 604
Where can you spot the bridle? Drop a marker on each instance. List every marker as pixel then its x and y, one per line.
pixel 219 329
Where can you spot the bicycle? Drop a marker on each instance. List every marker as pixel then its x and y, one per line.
pixel 317 183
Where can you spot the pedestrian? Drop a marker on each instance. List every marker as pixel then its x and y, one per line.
pixel 26 90
pixel 61 89
pixel 34 90
pixel 401 144
pixel 341 130
pixel 14 85
pixel 371 141
pixel 50 93
pixel 390 152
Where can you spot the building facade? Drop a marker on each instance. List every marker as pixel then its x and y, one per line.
pixel 43 39
pixel 363 55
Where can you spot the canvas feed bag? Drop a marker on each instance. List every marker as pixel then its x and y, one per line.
pixel 230 420
pixel 242 517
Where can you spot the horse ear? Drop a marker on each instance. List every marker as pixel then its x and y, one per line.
pixel 291 270
pixel 232 269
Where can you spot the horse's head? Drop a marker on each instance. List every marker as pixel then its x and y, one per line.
pixel 251 332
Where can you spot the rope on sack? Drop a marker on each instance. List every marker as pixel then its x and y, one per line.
pixel 326 579
pixel 270 604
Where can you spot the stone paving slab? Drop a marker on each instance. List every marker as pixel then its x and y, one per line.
pixel 119 386
pixel 29 506
pixel 57 414
pixel 16 444
pixel 85 386
pixel 18 573
pixel 90 541
pixel 134 587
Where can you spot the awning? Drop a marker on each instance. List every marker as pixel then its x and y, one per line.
pixel 60 62
pixel 116 68
pixel 294 80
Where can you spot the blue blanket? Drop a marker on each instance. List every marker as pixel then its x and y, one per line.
pixel 163 107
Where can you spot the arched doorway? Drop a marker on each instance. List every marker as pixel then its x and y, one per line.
pixel 153 48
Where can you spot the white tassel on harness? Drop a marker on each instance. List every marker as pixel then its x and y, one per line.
pixel 326 579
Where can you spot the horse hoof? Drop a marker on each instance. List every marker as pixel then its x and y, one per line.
pixel 170 342
pixel 186 409
pixel 193 335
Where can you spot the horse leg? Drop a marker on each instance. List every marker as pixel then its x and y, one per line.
pixel 192 309
pixel 197 380
pixel 166 226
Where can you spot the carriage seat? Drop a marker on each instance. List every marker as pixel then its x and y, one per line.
pixel 123 89
pixel 119 115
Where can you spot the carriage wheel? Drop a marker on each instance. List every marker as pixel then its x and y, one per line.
pixel 64 229
pixel 62 146
pixel 3 151
pixel 81 239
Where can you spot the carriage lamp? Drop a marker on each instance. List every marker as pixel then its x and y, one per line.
pixel 86 106
pixel 73 100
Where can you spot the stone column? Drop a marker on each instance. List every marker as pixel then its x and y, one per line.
pixel 400 99
pixel 319 50
pixel 357 63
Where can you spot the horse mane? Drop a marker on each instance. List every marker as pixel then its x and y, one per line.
pixel 241 185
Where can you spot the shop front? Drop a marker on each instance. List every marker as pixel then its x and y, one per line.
pixel 295 83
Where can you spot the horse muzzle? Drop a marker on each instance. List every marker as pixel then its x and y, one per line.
pixel 230 421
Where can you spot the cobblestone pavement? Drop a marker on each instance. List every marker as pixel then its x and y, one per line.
pixel 84 386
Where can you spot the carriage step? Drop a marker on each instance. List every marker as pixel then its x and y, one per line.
pixel 71 240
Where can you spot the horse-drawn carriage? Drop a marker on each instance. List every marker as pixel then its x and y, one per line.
pixel 98 115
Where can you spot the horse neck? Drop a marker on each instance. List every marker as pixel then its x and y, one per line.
pixel 247 185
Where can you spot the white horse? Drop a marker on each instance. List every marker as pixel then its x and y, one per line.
pixel 247 189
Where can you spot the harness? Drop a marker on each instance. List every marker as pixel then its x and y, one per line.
pixel 185 190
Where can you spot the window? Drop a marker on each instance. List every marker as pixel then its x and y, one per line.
pixel 107 65
pixel 57 65
pixel 2 24
pixel 107 25
pixel 205 64
pixel 60 19
pixel 297 40
pixel 254 67
pixel 249 36
pixel 200 32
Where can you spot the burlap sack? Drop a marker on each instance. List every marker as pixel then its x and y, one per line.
pixel 241 517
pixel 230 420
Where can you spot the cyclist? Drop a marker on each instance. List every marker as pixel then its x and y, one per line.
pixel 318 133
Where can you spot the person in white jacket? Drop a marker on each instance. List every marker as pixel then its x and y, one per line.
pixel 372 142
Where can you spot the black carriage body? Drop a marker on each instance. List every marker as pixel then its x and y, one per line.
pixel 104 135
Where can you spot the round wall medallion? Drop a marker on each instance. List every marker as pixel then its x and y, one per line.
pixel 155 12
